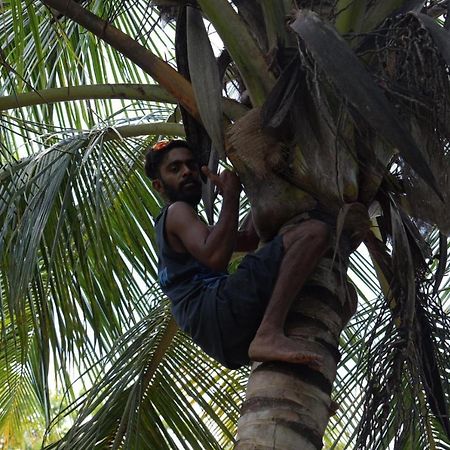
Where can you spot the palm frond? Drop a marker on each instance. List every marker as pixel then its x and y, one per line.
pixel 158 374
pixel 72 212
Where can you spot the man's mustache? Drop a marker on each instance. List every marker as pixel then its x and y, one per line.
pixel 191 180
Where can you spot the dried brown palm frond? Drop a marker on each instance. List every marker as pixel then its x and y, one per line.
pixel 406 369
pixel 411 68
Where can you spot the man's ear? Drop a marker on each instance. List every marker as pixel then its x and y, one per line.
pixel 158 186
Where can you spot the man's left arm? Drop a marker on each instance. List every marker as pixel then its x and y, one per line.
pixel 247 238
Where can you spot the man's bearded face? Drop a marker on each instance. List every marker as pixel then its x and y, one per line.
pixel 180 177
pixel 189 191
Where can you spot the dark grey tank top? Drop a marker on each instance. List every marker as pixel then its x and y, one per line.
pixel 192 290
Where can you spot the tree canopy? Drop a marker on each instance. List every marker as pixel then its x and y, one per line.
pixel 86 87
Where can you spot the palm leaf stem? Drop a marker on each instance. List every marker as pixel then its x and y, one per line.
pixel 240 43
pixel 158 356
pixel 89 92
pixel 206 80
pixel 162 72
pixel 275 14
pixel 148 92
pixel 145 129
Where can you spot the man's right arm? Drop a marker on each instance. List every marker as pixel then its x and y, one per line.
pixel 212 247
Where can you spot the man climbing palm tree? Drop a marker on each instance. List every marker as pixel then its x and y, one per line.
pixel 239 317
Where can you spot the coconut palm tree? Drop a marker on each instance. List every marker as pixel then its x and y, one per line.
pixel 331 109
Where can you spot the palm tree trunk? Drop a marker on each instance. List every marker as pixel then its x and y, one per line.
pixel 287 406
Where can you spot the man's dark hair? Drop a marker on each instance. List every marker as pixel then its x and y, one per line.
pixel 154 157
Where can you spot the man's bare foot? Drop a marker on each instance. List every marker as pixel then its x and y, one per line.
pixel 278 347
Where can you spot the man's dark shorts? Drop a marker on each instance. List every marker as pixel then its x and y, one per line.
pixel 243 297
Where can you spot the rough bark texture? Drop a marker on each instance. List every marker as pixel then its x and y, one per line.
pixel 258 158
pixel 287 406
pixel 280 180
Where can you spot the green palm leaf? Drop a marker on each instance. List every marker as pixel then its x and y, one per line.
pixel 78 264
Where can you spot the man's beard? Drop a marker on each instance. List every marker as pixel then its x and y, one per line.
pixel 191 195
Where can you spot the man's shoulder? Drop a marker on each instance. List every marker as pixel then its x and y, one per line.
pixel 180 205
pixel 180 210
pixel 179 214
pixel 182 226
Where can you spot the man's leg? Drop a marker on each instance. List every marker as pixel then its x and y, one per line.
pixel 304 245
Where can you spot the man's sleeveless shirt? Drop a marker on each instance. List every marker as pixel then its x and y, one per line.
pixel 192 290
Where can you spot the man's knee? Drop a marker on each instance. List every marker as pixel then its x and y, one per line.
pixel 312 232
pixel 318 231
